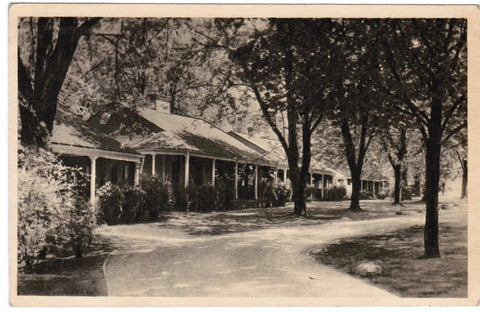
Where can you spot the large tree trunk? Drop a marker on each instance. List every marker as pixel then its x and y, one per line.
pixel 398 179
pixel 299 198
pixel 39 104
pixel 464 178
pixel 356 187
pixel 431 199
pixel 432 179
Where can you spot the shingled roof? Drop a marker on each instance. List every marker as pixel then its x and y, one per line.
pixel 72 131
pixel 192 134
pixel 156 131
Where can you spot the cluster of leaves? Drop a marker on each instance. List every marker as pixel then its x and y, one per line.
pixel 137 204
pixel 140 59
pixel 53 216
pixel 276 195
pixel 335 193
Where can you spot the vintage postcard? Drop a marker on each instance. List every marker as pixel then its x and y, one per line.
pixel 243 155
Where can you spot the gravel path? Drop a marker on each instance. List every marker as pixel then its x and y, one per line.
pixel 155 261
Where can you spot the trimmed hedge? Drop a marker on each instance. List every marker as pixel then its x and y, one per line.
pixel 138 204
pixel 335 193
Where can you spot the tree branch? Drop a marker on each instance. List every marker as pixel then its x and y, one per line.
pixel 454 131
pixel 452 110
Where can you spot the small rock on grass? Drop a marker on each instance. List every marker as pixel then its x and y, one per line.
pixel 368 268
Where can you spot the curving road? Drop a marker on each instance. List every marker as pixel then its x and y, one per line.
pixel 154 261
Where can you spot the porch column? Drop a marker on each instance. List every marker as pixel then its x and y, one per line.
pixel 213 172
pixel 93 175
pixel 136 180
pixel 311 178
pixel 163 167
pixel 321 181
pixel 236 180
pixel 256 181
pixel 153 165
pixel 284 175
pixel 275 177
pixel 187 168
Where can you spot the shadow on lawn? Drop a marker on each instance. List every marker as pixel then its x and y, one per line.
pixel 67 276
pixel 399 254
pixel 225 222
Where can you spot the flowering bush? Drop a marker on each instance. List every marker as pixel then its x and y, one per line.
pixel 52 214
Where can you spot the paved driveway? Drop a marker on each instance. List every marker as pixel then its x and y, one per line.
pixel 155 261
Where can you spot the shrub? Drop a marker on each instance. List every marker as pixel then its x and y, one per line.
pixel 317 195
pixel 366 195
pixel 269 195
pixel 52 214
pixel 134 205
pixel 111 201
pixel 283 195
pixel 407 193
pixel 225 195
pixel 205 198
pixel 180 196
pixel 159 197
pixel 309 193
pixel 335 193
pixel 383 194
pixel 201 198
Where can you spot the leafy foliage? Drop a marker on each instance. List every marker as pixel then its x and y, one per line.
pixel 159 198
pixel 137 204
pixel 335 193
pixel 46 48
pixel 282 194
pixel 423 68
pixel 286 65
pixel 52 213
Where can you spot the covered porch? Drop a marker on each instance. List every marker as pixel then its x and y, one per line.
pixel 245 180
pixel 101 165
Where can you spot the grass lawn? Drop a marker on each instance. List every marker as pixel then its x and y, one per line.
pixel 399 254
pixel 225 222
pixel 67 276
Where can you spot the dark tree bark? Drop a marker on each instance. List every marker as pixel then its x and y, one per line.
pixel 464 178
pixel 39 105
pixel 432 160
pixel 356 187
pixel 397 149
pixel 355 162
pixel 398 180
pixel 464 166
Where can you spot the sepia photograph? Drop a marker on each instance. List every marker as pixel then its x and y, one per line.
pixel 241 156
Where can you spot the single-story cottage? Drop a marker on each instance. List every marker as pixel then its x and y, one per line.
pixel 183 150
